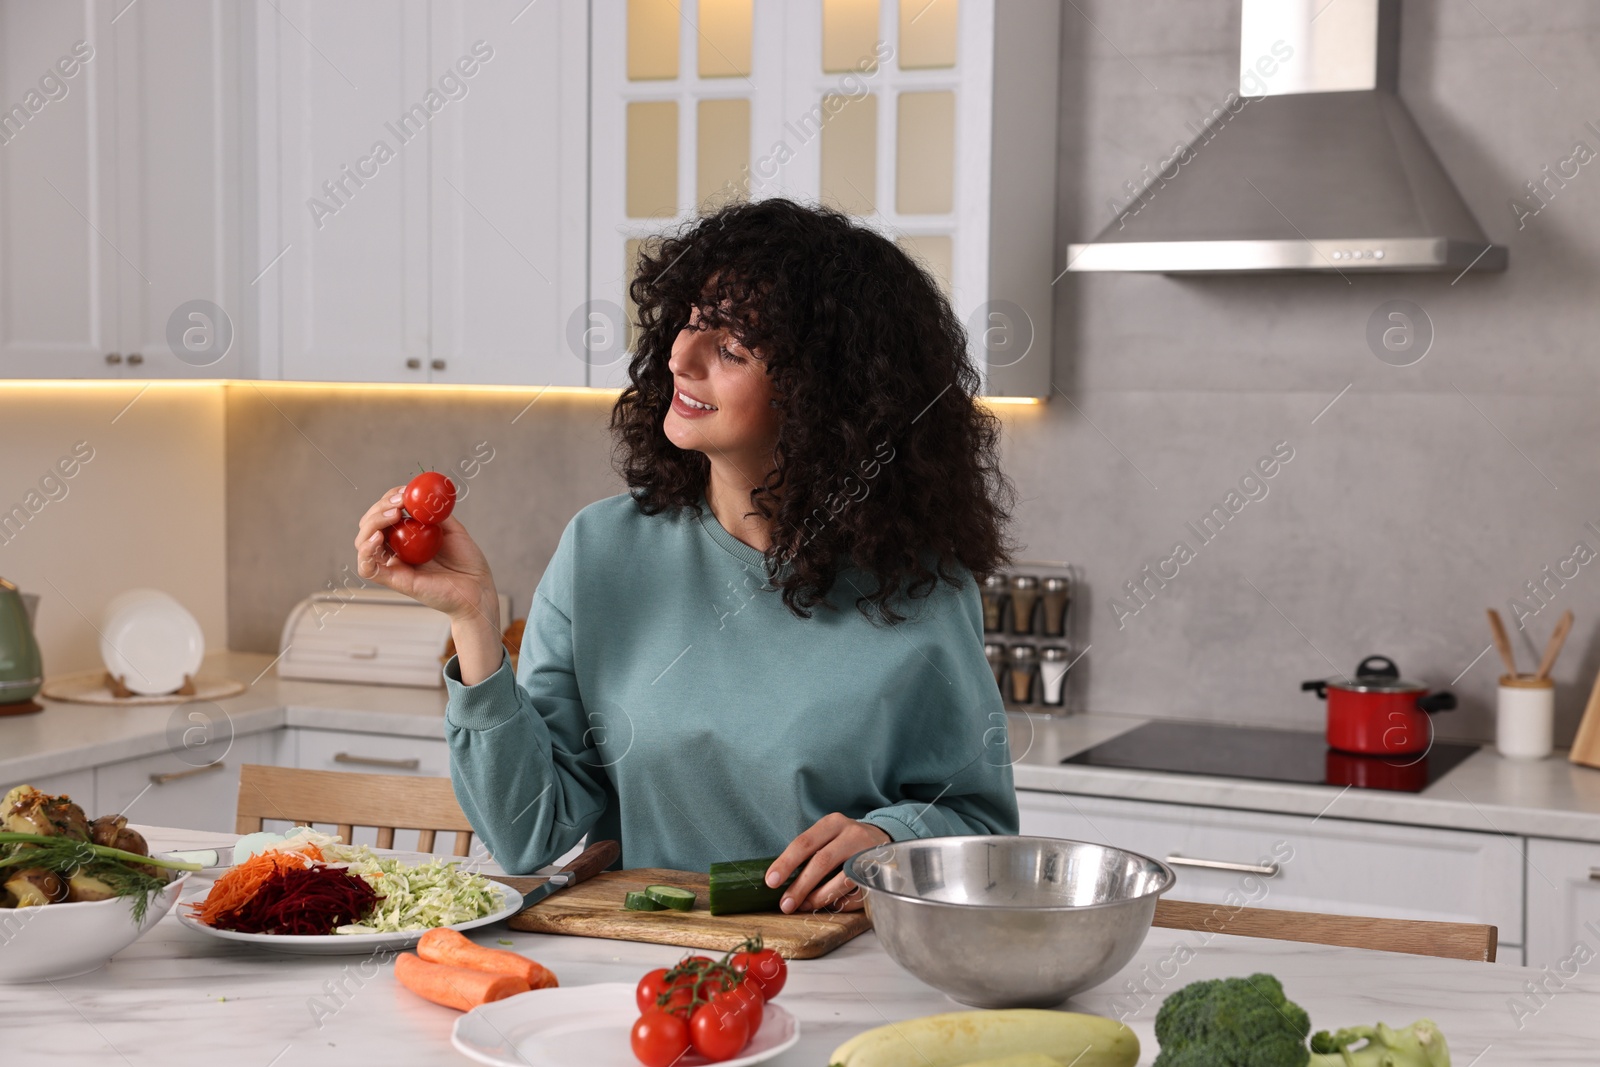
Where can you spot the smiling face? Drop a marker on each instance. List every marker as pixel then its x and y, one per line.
pixel 722 401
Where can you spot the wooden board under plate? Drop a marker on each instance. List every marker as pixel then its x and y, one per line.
pixel 594 909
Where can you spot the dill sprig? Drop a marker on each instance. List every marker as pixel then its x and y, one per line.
pixel 65 857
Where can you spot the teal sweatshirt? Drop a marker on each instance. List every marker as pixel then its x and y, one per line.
pixel 665 698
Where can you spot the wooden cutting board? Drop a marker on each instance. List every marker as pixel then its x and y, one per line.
pixel 594 909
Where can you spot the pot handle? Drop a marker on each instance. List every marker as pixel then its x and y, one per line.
pixel 1319 686
pixel 1377 667
pixel 1437 702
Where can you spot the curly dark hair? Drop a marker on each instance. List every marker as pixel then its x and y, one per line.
pixel 884 457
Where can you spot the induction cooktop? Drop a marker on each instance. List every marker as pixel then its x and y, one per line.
pixel 1267 755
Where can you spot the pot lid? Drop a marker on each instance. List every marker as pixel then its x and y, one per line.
pixel 1373 683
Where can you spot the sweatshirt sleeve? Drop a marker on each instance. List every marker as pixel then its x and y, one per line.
pixel 520 758
pixel 952 753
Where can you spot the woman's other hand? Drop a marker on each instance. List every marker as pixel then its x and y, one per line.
pixel 830 841
pixel 456 581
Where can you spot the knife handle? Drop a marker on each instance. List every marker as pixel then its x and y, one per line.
pixel 591 861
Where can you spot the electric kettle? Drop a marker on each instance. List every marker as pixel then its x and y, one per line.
pixel 21 674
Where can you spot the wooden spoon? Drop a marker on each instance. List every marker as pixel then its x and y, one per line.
pixel 1502 642
pixel 1558 637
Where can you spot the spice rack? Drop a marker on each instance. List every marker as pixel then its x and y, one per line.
pixel 1027 633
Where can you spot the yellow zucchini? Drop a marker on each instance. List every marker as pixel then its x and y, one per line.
pixel 1026 1059
pixel 957 1038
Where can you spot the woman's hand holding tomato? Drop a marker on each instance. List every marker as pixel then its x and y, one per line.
pixel 456 580
pixel 830 841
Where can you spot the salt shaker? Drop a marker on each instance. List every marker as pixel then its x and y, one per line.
pixel 1024 673
pixel 1024 597
pixel 994 597
pixel 1052 674
pixel 1525 716
pixel 1056 597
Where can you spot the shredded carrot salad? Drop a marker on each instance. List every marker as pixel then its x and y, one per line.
pixel 230 892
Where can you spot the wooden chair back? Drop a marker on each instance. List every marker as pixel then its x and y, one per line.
pixel 1459 941
pixel 386 802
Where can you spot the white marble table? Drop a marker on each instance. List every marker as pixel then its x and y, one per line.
pixel 177 997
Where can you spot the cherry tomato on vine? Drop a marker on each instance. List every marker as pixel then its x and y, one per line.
pixel 765 968
pixel 414 542
pixel 659 1039
pixel 747 998
pixel 718 1032
pixel 650 987
pixel 429 497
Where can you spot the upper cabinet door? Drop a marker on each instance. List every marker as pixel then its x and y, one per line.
pixel 345 256
pixel 59 260
pixel 509 188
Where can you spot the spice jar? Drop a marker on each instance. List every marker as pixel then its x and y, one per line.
pixel 1052 675
pixel 994 596
pixel 996 655
pixel 1023 675
pixel 1056 597
pixel 1024 598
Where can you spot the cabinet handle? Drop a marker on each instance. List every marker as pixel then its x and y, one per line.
pixel 173 776
pixel 1268 870
pixel 113 358
pixel 134 359
pixel 414 363
pixel 1594 874
pixel 373 761
pixel 437 364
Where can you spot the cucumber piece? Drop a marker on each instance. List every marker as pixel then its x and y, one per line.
pixel 636 901
pixel 670 896
pixel 740 886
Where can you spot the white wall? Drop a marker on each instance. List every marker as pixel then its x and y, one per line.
pixel 146 509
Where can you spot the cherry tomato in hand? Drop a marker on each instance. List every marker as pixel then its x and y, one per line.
pixel 650 987
pixel 765 968
pixel 659 1039
pixel 718 1032
pixel 430 497
pixel 414 542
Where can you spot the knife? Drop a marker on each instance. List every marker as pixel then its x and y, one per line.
pixel 207 858
pixel 588 863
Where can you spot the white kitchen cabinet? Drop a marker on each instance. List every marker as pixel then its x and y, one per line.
pixel 347 750
pixel 423 163
pixel 167 789
pixel 1326 864
pixel 118 186
pixel 1563 904
pixel 935 124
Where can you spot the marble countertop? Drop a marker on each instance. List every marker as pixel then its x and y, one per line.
pixel 177 997
pixel 1487 793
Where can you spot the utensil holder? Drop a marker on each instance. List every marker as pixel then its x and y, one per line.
pixel 1525 717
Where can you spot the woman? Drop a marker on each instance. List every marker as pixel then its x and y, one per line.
pixel 773 643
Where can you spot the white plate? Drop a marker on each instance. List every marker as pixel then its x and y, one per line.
pixel 345 944
pixel 150 641
pixel 587 1024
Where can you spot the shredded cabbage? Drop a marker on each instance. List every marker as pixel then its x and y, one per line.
pixel 415 896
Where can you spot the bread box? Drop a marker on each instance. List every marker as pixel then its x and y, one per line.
pixel 373 636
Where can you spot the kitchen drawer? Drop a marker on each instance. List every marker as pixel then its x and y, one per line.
pixel 1328 865
pixel 347 750
pixel 1563 904
pixel 164 790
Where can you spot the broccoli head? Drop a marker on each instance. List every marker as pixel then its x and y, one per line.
pixel 1232 1022
pixel 1418 1045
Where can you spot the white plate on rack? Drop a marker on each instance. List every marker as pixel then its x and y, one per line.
pixel 150 641
pixel 588 1024
pixel 344 944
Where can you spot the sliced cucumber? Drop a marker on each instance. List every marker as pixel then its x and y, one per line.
pixel 740 886
pixel 670 896
pixel 636 901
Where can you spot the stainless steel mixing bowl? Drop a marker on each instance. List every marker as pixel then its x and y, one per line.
pixel 1009 922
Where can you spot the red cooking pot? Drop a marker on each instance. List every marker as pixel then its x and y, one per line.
pixel 1378 713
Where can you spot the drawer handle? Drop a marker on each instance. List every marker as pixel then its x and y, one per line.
pixel 1594 874
pixel 1268 870
pixel 373 761
pixel 173 776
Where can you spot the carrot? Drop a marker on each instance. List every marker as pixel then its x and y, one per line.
pixel 454 949
pixel 240 883
pixel 454 987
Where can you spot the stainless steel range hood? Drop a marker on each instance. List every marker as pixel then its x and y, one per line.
pixel 1315 165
